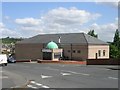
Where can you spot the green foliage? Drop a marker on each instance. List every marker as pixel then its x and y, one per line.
pixel 92 33
pixel 119 44
pixel 115 46
pixel 116 40
pixel 114 51
pixel 9 40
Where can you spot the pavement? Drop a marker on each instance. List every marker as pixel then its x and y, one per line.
pixel 50 75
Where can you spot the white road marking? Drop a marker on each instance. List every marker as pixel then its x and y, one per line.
pixel 30 86
pixel 45 87
pixel 112 78
pixel 3 77
pixel 43 76
pixel 77 73
pixel 85 74
pixel 64 74
pixel 37 84
pixel 33 82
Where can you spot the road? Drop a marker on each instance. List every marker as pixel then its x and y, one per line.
pixel 35 75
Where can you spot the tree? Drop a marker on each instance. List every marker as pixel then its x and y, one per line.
pixel 119 45
pixel 114 52
pixel 92 33
pixel 115 46
pixel 116 40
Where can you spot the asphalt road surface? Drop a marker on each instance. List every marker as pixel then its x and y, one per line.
pixel 35 75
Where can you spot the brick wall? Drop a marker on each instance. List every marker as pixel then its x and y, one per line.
pixel 103 62
pixel 82 55
pixel 28 51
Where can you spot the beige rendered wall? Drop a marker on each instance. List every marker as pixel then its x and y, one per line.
pixel 28 51
pixel 76 56
pixel 93 49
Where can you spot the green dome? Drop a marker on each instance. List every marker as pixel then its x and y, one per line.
pixel 52 45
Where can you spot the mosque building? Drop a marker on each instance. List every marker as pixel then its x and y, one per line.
pixel 66 46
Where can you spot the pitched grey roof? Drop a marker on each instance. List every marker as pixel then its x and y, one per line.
pixel 66 38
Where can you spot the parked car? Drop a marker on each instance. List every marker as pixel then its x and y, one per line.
pixel 11 59
pixel 3 60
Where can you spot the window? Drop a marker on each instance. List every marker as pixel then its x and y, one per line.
pixel 73 51
pixel 103 52
pixel 69 51
pixel 99 53
pixel 78 51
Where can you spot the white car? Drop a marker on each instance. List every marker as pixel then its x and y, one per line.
pixel 3 59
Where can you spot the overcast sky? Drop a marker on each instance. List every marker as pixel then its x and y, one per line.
pixel 27 19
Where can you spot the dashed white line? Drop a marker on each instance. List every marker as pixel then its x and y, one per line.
pixel 45 87
pixel 85 74
pixel 30 86
pixel 43 76
pixel 112 78
pixel 78 73
pixel 37 84
pixel 64 74
pixel 33 82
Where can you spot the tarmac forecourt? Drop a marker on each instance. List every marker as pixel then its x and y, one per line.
pixel 49 75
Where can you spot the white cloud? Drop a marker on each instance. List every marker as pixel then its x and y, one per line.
pixel 105 32
pixel 30 31
pixel 2 25
pixel 64 16
pixel 28 21
pixel 59 20
pixel 63 20
pixel 5 32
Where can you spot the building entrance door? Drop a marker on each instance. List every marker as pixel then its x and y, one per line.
pixel 47 56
